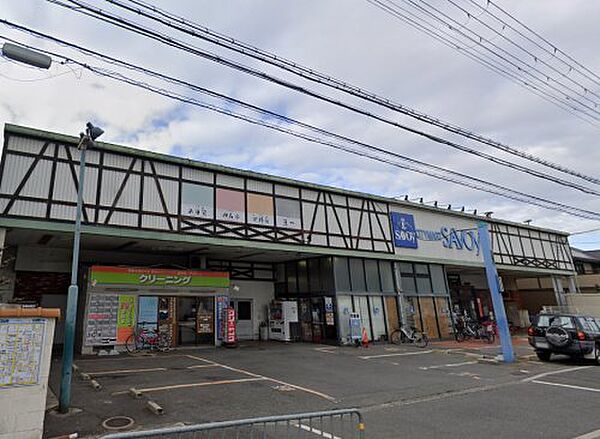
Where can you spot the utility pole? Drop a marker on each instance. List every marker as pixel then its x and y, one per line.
pixel 495 290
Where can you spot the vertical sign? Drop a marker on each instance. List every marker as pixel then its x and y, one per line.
pixel 125 317
pixel 230 325
pixel 221 317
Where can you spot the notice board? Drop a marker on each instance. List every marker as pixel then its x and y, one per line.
pixel 21 346
pixel 101 327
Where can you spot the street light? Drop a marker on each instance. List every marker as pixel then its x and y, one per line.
pixel 26 56
pixel 86 140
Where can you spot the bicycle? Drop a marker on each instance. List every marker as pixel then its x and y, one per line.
pixel 467 329
pixel 409 335
pixel 146 339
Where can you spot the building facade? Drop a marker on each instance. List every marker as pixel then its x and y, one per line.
pixel 167 242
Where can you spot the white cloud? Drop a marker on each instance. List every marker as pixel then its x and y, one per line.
pixel 359 44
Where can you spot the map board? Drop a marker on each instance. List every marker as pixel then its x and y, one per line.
pixel 21 346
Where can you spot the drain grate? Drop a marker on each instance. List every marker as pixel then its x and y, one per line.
pixel 118 423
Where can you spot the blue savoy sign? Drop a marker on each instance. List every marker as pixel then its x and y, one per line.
pixel 407 235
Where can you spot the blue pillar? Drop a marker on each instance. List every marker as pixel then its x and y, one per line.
pixel 494 285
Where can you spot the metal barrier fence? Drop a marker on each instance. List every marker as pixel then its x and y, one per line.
pixel 334 424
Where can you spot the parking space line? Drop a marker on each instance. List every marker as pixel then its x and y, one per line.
pixel 439 366
pixel 314 430
pixel 188 385
pixel 568 386
pixel 591 435
pixel 119 371
pixel 555 372
pixel 368 357
pixel 202 366
pixel 254 375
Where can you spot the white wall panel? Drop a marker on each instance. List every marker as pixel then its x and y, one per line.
pixel 38 182
pixel 170 190
pixel 24 144
pixel 15 168
pixel 151 197
pixel 155 222
pixel 165 169
pixel 197 175
pixel 111 181
pixel 259 186
pixel 287 191
pixel 124 219
pixel 129 198
pixel 28 208
pixel 230 181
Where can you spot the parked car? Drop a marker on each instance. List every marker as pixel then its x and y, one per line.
pixel 575 335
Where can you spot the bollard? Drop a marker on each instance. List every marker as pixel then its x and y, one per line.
pixel 95 384
pixel 154 408
pixel 75 368
pixel 135 392
pixel 85 376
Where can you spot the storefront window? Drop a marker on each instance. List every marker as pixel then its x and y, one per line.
pixel 423 285
pixel 357 275
pixel 438 279
pixel 342 274
pixel 314 277
pixel 408 284
pixel 344 309
pixel 421 269
pixel 302 277
pixel 377 316
pixel 290 270
pixel 372 273
pixel 405 267
pixel 387 276
pixel 361 305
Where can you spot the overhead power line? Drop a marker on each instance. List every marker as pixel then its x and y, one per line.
pixel 85 8
pixel 465 40
pixel 191 28
pixel 359 148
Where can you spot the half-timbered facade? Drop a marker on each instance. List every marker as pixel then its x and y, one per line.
pixel 143 209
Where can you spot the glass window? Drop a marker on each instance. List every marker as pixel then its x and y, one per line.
pixel 302 277
pixel 344 304
pixel 357 274
pixel 372 272
pixel 423 285
pixel 290 270
pixel 563 322
pixel 325 265
pixel 314 275
pixel 244 310
pixel 405 267
pixel 342 274
pixel 387 276
pixel 438 279
pixel 588 324
pixel 361 305
pixel 408 284
pixel 421 269
pixel 377 317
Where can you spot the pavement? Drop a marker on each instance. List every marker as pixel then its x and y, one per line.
pixel 402 391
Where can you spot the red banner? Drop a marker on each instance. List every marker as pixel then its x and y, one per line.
pixel 230 338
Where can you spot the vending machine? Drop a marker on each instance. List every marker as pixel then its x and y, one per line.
pixel 283 320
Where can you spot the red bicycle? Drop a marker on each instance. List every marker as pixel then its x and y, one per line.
pixel 146 339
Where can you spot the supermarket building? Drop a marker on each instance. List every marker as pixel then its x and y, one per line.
pixel 169 242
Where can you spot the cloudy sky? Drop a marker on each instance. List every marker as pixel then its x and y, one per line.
pixel 350 40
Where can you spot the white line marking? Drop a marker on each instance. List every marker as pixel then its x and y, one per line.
pixel 591 435
pixel 314 430
pixel 118 371
pixel 202 366
pixel 327 350
pixel 439 366
pixel 254 375
pixel 568 386
pixel 368 357
pixel 183 386
pixel 555 372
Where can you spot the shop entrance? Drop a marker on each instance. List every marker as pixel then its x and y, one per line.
pixel 245 323
pixel 195 321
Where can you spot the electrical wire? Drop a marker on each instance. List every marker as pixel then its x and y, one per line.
pixel 126 24
pixel 375 153
pixel 172 20
pixel 505 56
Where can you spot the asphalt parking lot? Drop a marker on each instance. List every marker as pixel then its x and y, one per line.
pixel 402 391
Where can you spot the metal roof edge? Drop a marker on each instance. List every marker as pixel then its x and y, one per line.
pixel 65 138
